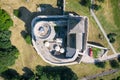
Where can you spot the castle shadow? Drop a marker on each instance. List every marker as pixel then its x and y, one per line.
pixel 95 43
pixel 42 9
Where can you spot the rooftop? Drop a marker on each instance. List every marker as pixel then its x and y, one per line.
pixel 66 38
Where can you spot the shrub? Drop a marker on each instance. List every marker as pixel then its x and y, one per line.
pixel 111 37
pixel 100 64
pixel 114 63
pixel 86 3
pixel 5 20
pixel 16 13
pixel 28 38
pixel 8 52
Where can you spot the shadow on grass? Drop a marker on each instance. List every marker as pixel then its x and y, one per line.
pixel 28 73
pixel 95 43
pixel 10 74
pixel 27 16
pixel 100 64
pixel 61 72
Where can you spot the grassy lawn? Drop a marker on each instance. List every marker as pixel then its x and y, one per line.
pixel 74 6
pixel 109 16
pixel 96 52
pixel 88 69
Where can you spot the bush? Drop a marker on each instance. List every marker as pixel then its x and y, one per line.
pixel 100 64
pixel 114 63
pixel 8 52
pixel 16 13
pixel 41 73
pixel 96 7
pixel 111 37
pixel 5 20
pixel 28 38
pixel 96 52
pixel 86 3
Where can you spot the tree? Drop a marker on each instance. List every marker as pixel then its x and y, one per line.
pixel 55 73
pixel 28 38
pixel 96 7
pixel 5 20
pixel 8 52
pixel 114 63
pixel 5 39
pixel 41 73
pixel 17 13
pixel 86 3
pixel 10 74
pixel 100 64
pixel 111 37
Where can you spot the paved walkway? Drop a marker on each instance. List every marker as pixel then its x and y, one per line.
pixel 88 59
pixel 100 74
pixel 101 28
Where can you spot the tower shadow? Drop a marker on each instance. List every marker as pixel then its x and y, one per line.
pixel 42 9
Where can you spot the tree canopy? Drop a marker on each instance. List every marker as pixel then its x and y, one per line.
pixel 5 20
pixel 41 73
pixel 86 3
pixel 8 52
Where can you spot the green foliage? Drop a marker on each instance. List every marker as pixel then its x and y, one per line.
pixel 7 57
pixel 95 52
pixel 16 13
pixel 5 20
pixel 55 73
pixel 28 38
pixel 8 53
pixel 86 3
pixel 111 37
pixel 5 39
pixel 41 73
pixel 10 74
pixel 114 63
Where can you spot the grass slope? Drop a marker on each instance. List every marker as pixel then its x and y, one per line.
pixel 109 16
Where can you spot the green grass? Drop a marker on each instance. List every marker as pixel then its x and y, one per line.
pixel 116 11
pixel 95 52
pixel 88 69
pixel 109 16
pixel 75 6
